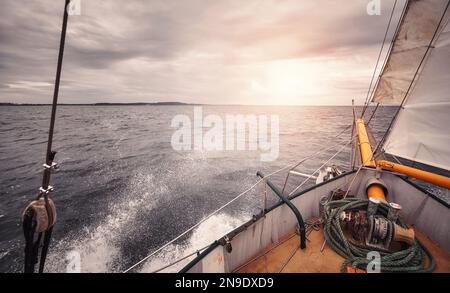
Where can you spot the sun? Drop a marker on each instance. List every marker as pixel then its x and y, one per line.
pixel 285 82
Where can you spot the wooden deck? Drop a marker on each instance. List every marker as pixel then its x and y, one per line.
pixel 287 257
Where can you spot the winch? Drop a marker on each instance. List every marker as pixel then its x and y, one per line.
pixel 374 229
pixel 355 227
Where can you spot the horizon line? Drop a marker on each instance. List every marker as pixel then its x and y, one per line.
pixel 175 104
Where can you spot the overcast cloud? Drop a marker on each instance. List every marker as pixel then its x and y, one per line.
pixel 199 51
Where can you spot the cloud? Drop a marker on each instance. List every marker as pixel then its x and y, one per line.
pixel 193 51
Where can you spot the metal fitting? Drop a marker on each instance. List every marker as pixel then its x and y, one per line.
pixel 228 246
pixel 54 166
pixel 372 206
pixel 394 211
pixel 43 191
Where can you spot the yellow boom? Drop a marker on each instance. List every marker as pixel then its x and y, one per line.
pixel 367 160
pixel 433 178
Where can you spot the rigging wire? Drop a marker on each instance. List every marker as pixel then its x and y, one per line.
pixel 313 155
pixel 413 80
pixel 181 259
pixel 228 203
pixel 378 59
pixel 308 224
pixel 386 59
pixel 373 113
pixel 249 189
pixel 323 165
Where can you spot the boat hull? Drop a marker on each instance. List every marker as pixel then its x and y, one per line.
pixel 419 208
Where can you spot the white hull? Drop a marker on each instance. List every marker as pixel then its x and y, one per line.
pixel 419 208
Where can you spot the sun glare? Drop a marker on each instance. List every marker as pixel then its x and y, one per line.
pixel 286 81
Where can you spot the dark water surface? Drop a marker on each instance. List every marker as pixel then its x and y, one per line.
pixel 122 191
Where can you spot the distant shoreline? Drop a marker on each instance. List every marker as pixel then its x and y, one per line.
pixel 104 104
pixel 175 104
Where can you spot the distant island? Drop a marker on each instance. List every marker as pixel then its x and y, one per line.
pixel 104 104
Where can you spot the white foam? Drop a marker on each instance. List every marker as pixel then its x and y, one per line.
pixel 210 230
pixel 99 243
pixel 98 246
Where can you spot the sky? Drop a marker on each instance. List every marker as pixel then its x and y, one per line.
pixel 253 52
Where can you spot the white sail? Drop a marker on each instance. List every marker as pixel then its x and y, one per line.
pixel 417 29
pixel 421 131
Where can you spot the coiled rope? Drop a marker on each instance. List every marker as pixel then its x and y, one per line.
pixel 411 259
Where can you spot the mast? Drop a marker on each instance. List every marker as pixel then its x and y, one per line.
pixel 39 216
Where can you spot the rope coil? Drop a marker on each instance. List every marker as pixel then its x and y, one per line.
pixel 411 259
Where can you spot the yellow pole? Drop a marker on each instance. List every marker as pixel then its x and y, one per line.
pixel 433 178
pixel 374 191
pixel 364 144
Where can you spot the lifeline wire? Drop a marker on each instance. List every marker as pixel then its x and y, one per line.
pixel 225 205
